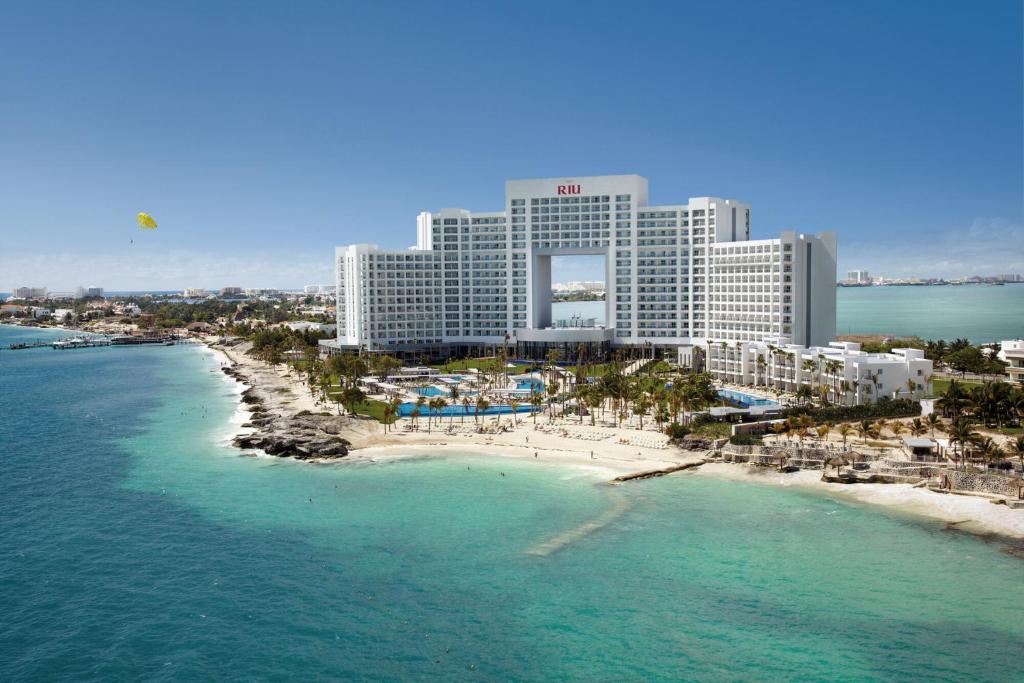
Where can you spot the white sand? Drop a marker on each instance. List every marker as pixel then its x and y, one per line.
pixel 286 393
pixel 970 513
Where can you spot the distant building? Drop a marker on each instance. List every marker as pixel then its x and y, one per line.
pixel 195 292
pixel 60 314
pixel 28 292
pixel 88 292
pixel 578 286
pixel 319 289
pixel 859 276
pixel 1012 353
pixel 308 325
pixel 230 291
pixel 261 291
pixel 130 310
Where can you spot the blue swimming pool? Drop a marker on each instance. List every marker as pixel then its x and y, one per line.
pixel 432 391
pixel 405 410
pixel 530 385
pixel 745 400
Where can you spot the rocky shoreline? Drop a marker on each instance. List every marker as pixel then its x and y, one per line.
pixel 303 436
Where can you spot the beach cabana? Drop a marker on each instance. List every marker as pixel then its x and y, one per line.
pixel 920 448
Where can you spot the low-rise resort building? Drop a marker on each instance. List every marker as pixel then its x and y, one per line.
pixel 840 371
pixel 677 276
pixel 1012 353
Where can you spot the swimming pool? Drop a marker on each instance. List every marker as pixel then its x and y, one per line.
pixel 405 410
pixel 745 400
pixel 530 385
pixel 432 391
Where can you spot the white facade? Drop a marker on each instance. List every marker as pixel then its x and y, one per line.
pixel 672 275
pixel 841 371
pixel 195 292
pixel 83 292
pixel 1012 353
pixel 28 292
pixel 858 276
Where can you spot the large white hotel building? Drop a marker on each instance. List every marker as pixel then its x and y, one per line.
pixel 677 275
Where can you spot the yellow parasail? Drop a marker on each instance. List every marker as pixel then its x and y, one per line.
pixel 146 221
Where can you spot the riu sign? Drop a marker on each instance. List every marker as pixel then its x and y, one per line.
pixel 568 189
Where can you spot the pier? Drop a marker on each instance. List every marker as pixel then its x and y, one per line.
pixel 95 342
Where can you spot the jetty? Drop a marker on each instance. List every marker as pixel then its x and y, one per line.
pixel 98 341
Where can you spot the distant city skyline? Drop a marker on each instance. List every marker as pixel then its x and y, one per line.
pixel 260 138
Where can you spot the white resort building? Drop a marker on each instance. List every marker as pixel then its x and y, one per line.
pixel 840 370
pixel 676 275
pixel 1012 353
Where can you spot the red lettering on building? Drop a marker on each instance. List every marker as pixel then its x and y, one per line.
pixel 569 189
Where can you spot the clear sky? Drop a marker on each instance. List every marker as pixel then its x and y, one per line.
pixel 261 135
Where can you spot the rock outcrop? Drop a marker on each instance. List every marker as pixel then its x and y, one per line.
pixel 302 436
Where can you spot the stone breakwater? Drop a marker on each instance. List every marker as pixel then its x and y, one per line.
pixel 301 436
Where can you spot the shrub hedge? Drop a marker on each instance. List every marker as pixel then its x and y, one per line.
pixel 885 407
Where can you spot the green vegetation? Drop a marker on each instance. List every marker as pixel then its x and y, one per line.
pixel 888 346
pixel 481 364
pixel 371 408
pixel 884 407
pixel 941 384
pixel 995 404
pixel 962 356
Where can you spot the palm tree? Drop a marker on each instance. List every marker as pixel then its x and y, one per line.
pixel 961 435
pixel 990 450
pixel 935 422
pixel 1017 448
pixel 481 404
pixel 640 407
pixel 536 401
pixel 415 415
pixel 810 366
pixel 514 405
pixel 917 427
pixel 865 429
pixel 465 409
pixel 897 428
pixel 845 430
pixel 389 415
pixel 778 428
pixel 911 387
pixel 593 399
pixel 823 430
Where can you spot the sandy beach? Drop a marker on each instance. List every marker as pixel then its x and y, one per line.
pixel 541 442
pixel 972 514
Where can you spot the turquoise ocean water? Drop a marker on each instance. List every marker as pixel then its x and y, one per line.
pixel 981 313
pixel 135 544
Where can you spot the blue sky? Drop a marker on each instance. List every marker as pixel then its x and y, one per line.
pixel 260 135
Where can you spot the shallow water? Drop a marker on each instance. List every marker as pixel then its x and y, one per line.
pixel 134 543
